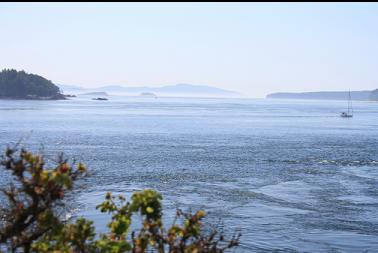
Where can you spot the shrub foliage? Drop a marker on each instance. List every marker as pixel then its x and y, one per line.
pixel 33 205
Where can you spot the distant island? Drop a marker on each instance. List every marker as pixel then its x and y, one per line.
pixel 96 93
pixel 147 94
pixel 327 95
pixel 181 89
pixel 187 90
pixel 374 95
pixel 21 85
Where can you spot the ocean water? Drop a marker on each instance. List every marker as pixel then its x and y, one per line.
pixel 290 175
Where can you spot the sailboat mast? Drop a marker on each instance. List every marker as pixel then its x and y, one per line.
pixel 350 107
pixel 349 113
pixel 349 102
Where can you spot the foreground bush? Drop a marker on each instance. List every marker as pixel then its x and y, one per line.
pixel 32 207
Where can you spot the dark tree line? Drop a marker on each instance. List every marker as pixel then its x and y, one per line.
pixel 21 85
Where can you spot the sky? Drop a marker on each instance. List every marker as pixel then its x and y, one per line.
pixel 251 48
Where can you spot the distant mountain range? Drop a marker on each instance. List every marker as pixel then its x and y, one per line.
pixel 98 93
pixel 327 95
pixel 168 90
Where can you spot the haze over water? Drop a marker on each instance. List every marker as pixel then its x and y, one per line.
pixel 251 48
pixel 292 176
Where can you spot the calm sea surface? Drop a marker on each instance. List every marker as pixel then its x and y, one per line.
pixel 291 176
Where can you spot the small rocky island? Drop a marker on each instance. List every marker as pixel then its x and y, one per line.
pixel 100 99
pixel 21 85
pixel 148 94
pixel 96 93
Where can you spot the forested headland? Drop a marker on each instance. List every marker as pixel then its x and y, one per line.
pixel 21 85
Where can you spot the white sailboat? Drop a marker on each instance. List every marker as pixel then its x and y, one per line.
pixel 349 113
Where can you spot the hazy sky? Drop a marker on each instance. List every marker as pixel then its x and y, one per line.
pixel 253 48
